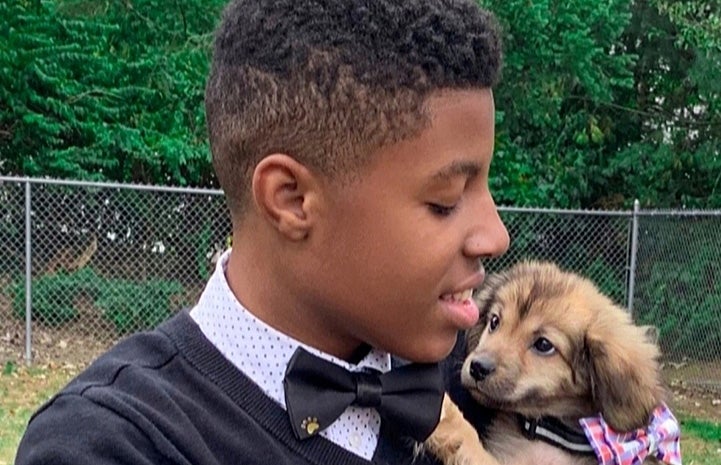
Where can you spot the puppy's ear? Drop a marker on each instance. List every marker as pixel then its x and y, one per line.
pixel 651 333
pixel 623 369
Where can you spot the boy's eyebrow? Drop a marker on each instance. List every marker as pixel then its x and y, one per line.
pixel 468 169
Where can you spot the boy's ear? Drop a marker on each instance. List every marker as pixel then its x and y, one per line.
pixel 285 193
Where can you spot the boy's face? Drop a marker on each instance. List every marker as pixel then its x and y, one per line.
pixel 390 250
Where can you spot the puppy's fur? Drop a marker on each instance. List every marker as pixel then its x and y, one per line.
pixel 550 344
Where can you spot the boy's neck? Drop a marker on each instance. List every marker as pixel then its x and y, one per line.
pixel 253 279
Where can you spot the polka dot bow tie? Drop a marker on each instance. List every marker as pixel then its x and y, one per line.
pixel 661 439
pixel 317 392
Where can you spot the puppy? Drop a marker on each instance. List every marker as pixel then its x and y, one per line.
pixel 548 346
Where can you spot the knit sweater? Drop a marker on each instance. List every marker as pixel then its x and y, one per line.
pixel 169 397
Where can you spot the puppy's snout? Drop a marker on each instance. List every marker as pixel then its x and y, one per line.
pixel 481 368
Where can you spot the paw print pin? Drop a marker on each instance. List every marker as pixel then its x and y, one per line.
pixel 310 425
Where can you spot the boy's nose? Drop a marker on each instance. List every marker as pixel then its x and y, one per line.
pixel 488 237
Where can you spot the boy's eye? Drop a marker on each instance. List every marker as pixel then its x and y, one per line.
pixel 441 210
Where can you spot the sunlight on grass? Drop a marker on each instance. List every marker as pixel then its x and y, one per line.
pixel 696 451
pixel 13 424
pixel 22 391
pixel 700 441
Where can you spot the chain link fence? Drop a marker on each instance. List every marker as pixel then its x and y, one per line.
pixel 593 243
pixel 678 289
pixel 106 260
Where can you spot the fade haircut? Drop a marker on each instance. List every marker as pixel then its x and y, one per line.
pixel 328 82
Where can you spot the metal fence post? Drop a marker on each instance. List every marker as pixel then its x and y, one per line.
pixel 28 274
pixel 634 249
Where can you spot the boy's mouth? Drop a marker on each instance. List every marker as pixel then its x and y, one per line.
pixel 458 297
pixel 460 308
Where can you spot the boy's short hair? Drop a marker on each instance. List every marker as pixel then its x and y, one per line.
pixel 328 82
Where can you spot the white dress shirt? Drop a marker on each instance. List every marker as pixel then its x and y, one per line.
pixel 262 353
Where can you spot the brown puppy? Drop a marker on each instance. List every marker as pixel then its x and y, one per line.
pixel 549 344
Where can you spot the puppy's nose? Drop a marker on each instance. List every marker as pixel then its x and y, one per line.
pixel 481 368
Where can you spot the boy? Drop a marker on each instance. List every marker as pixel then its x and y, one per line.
pixel 353 141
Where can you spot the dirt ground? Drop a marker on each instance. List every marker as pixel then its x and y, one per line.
pixel 695 387
pixel 73 345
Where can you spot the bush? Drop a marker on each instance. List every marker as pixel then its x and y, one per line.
pixel 53 296
pixel 131 306
pixel 679 285
pixel 128 305
pixel 685 306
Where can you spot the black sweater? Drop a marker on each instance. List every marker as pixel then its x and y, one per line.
pixel 169 397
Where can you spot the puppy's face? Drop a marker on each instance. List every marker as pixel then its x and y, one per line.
pixel 549 343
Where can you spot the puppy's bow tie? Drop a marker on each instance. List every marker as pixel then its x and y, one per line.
pixel 661 439
pixel 317 392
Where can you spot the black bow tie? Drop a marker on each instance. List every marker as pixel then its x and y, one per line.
pixel 317 392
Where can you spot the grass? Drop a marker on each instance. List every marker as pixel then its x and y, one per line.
pixel 700 441
pixel 23 390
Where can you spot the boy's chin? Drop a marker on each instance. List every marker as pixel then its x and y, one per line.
pixel 425 351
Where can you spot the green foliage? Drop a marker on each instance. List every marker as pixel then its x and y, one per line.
pixel 53 296
pixel 134 306
pixel 698 21
pixel 608 279
pixel 663 175
pixel 604 102
pixel 128 305
pixel 706 430
pixel 686 320
pixel 9 368
pixel 563 61
pixel 96 90
pixel 586 244
pixel 679 286
pixel 601 102
pixel 667 155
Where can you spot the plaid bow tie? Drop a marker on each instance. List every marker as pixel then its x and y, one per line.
pixel 661 439
pixel 317 392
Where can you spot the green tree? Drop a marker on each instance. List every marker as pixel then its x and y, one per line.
pixel 667 155
pixel 564 63
pixel 698 21
pixel 98 90
pixel 600 103
pixel 604 102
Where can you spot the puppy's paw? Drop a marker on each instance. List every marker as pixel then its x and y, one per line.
pixel 455 441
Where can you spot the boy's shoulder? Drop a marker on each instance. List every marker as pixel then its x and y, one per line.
pixel 156 397
pixel 140 355
pixel 102 415
pixel 167 396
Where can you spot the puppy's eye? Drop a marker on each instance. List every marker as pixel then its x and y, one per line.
pixel 543 346
pixel 495 321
